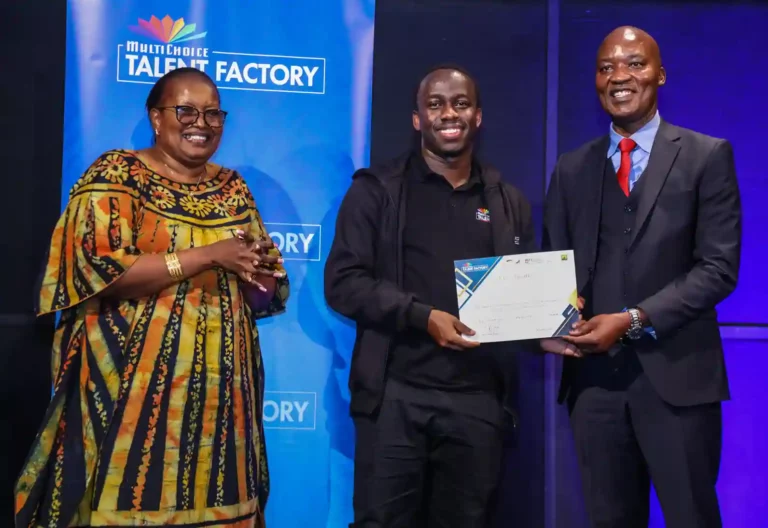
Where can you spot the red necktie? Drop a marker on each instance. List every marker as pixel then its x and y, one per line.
pixel 625 146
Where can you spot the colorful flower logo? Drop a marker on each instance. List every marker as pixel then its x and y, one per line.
pixel 167 30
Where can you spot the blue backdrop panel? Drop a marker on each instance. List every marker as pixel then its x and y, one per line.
pixel 295 77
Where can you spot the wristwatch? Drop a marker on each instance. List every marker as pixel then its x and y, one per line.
pixel 635 324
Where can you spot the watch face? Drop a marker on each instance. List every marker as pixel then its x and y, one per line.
pixel 635 333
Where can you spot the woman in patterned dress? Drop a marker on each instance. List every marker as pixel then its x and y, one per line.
pixel 158 266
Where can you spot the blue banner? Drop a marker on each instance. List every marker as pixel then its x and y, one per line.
pixel 295 78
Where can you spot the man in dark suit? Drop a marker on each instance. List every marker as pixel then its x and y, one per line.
pixel 653 214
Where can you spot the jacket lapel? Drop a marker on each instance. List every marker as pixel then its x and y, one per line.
pixel 591 182
pixel 663 154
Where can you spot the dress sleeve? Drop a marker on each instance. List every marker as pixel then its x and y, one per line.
pixel 94 241
pixel 283 287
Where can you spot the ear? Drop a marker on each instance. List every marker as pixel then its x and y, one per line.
pixel 416 120
pixel 478 117
pixel 154 119
pixel 662 76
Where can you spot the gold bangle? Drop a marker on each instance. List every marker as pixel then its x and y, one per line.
pixel 174 266
pixel 177 267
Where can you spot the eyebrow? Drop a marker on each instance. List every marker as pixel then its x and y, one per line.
pixel 443 96
pixel 210 106
pixel 634 56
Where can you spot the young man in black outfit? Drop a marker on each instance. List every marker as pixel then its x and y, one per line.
pixel 428 405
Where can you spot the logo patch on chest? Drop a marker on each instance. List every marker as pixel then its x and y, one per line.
pixel 482 214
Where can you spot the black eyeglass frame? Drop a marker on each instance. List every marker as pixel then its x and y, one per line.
pixel 178 109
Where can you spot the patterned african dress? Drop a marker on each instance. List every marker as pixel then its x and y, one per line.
pixel 156 415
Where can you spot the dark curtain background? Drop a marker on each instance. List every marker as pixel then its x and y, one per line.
pixel 32 41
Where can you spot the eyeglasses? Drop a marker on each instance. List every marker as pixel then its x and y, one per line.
pixel 188 115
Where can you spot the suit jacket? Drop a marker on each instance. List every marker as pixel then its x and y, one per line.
pixel 683 257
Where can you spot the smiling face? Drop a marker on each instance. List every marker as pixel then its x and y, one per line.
pixel 447 114
pixel 183 118
pixel 629 73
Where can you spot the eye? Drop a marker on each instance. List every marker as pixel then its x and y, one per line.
pixel 186 111
pixel 433 104
pixel 604 69
pixel 635 64
pixel 462 104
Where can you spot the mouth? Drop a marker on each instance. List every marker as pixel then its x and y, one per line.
pixel 197 138
pixel 622 94
pixel 450 132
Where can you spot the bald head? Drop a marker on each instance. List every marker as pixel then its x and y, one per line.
pixel 626 35
pixel 629 74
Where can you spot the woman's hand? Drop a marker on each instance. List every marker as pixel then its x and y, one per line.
pixel 263 262
pixel 239 255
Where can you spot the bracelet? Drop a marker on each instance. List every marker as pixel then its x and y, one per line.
pixel 174 266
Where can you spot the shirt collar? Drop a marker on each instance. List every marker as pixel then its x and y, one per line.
pixel 643 137
pixel 422 171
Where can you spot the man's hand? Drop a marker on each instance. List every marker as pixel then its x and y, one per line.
pixel 600 333
pixel 580 303
pixel 447 330
pixel 560 347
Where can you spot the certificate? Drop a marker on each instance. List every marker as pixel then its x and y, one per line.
pixel 517 297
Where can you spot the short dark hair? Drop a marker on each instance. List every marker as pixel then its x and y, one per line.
pixel 447 66
pixel 158 90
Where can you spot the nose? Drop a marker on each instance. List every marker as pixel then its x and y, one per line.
pixel 449 113
pixel 620 75
pixel 200 121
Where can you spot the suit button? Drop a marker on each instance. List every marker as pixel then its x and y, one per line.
pixel 628 208
pixel 628 230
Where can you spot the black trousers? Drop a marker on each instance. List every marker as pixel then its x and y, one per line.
pixel 427 459
pixel 627 437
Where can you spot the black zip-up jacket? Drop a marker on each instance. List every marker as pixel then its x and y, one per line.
pixel 364 270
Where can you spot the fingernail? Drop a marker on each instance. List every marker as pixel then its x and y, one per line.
pixel 278 275
pixel 279 261
pixel 257 246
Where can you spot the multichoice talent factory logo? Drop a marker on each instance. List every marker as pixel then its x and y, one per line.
pixel 165 44
pixel 468 267
pixel 167 30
